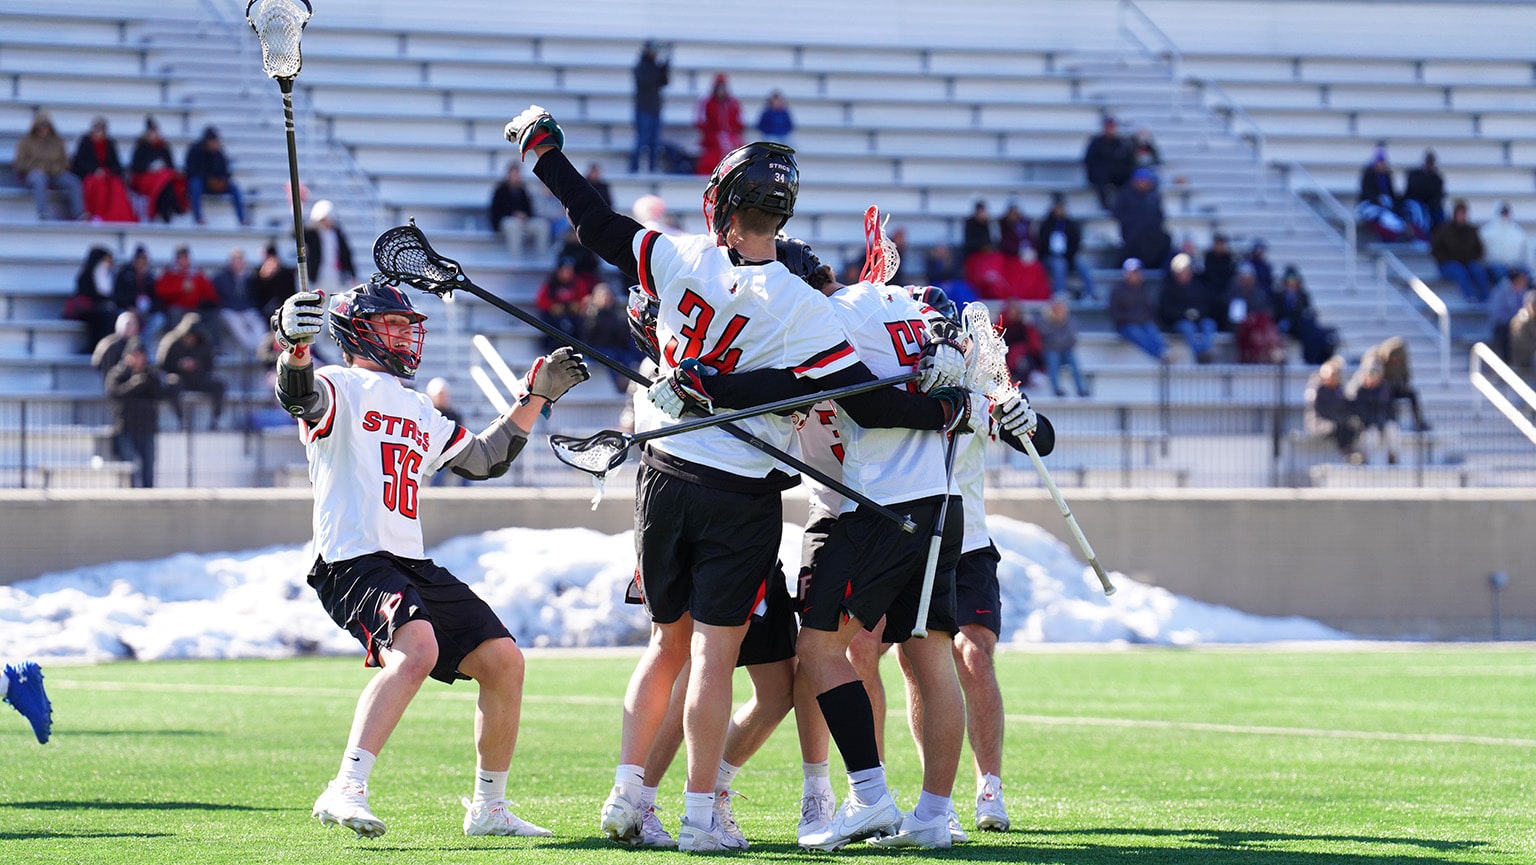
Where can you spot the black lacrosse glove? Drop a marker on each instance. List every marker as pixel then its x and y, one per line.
pixel 796 255
pixel 964 411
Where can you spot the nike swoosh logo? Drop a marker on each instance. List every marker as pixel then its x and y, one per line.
pixel 487 780
pixel 356 759
pixel 982 612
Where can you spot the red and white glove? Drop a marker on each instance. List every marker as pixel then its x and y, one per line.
pixel 682 391
pixel 554 374
pixel 534 128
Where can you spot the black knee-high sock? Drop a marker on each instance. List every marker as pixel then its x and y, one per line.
pixel 851 721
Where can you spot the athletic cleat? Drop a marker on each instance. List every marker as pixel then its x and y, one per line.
pixel 734 839
pixel 991 813
pixel 931 834
pixel 853 822
pixel 956 831
pixel 26 695
pixel 816 813
pixel 493 818
pixel 621 819
pixel 703 839
pixel 652 832
pixel 346 805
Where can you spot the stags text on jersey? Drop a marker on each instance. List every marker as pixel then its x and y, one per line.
pixel 403 427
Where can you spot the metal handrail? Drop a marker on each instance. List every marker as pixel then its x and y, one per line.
pixel 1169 47
pixel 1346 217
pixel 1386 261
pixel 1483 355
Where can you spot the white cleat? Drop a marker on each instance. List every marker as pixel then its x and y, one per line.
pixel 956 831
pixel 816 813
pixel 991 813
pixel 703 839
pixel 931 834
pixel 729 828
pixel 493 818
pixel 621 819
pixel 347 805
pixel 653 833
pixel 853 822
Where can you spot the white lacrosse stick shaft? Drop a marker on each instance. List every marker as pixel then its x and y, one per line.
pixel 931 567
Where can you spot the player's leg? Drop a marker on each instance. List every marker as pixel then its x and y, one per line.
pixel 22 687
pixel 706 717
pixel 864 654
pixel 974 648
pixel 943 733
pixel 498 667
pixel 818 804
pixel 645 708
pixel 664 748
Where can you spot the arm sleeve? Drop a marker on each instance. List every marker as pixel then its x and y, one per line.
pixel 888 407
pixel 296 392
pixel 488 454
pixel 599 227
pixel 1044 438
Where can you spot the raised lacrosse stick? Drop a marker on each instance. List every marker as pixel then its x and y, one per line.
pixel 405 257
pixel 279 24
pixel 990 375
pixel 603 452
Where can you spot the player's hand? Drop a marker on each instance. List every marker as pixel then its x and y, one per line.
pixel 535 130
pixel 963 409
pixel 943 362
pixel 682 391
pixel 797 257
pixel 1016 417
pixel 299 319
pixel 557 372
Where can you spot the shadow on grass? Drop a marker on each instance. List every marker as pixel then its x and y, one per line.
pixel 44 836
pixel 74 733
pixel 97 805
pixel 1218 847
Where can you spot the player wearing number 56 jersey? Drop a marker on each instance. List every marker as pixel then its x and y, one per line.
pixel 370 441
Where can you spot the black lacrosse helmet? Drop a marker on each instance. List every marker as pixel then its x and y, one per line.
pixel 355 327
pixel 935 297
pixel 761 175
pixel 641 315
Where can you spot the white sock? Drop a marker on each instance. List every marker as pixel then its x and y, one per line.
pixel 930 806
pixel 647 798
pixel 629 778
pixel 866 786
pixel 5 683
pixel 818 778
pixel 726 775
pixel 356 764
pixel 489 786
pixel 699 808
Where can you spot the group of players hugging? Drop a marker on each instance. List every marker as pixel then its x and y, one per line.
pixel 733 317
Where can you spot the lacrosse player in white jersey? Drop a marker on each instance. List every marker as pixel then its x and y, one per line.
pixel 736 329
pixel 370 442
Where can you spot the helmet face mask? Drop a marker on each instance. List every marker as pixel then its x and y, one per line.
pixel 761 175
pixel 357 323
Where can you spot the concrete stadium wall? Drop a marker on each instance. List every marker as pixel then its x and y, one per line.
pixel 1374 563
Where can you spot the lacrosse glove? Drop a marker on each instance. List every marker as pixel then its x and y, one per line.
pixel 534 128
pixel 943 362
pixel 299 319
pixel 554 374
pixel 682 391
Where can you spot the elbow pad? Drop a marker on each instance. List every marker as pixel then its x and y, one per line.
pixel 296 392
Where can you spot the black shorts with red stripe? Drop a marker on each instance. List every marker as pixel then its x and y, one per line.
pixel 978 598
pixel 771 636
pixel 373 596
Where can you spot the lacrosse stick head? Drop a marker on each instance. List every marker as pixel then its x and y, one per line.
pixel 279 24
pixel 881 260
pixel 405 257
pixel 596 455
pixel 988 372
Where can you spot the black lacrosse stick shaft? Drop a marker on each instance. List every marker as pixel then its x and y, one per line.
pixel 302 270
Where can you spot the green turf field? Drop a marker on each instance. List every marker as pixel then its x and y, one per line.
pixel 1401 754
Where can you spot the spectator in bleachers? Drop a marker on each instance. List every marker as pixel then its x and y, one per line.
pixel 109 351
pixel 134 390
pixel 183 288
pixel 1139 210
pixel 1059 238
pixel 100 169
pixel 1058 346
pixel 998 277
pixel 979 234
pixel 1186 307
pixel 1143 150
pixel 1371 399
pixel 92 303
pixel 134 289
pixel 1296 318
pixel 1251 313
pixel 326 251
pixel 186 357
pixel 208 173
pixel 1505 244
pixel 1131 311
pixel 939 269
pixel 1012 231
pixel 41 162
pixel 1391 354
pixel 775 122
pixel 1505 304
pixel 1329 412
pixel 1522 333
pixel 512 215
pixel 584 260
pixel 1379 205
pixel 651 212
pixel 152 173
pixel 1108 162
pixel 652 72
pixel 1458 252
pixel 238 312
pixel 442 400
pixel 1263 272
pixel 605 326
pixel 272 284
pixel 718 120
pixel 1424 197
pixel 1023 340
pixel 1218 272
pixel 561 298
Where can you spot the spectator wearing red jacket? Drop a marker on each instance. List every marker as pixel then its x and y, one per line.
pixel 562 299
pixel 183 288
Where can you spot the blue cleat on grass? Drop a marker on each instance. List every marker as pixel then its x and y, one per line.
pixel 25 693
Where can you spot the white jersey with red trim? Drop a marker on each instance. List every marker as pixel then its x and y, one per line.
pixel 735 318
pixel 367 456
pixel 821 446
pixel 888 329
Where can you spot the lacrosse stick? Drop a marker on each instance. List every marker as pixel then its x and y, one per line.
pixel 931 567
pixel 990 375
pixel 403 255
pixel 279 24
pixel 603 452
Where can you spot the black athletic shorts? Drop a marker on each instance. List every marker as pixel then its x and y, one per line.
pixel 771 636
pixel 815 537
pixel 978 599
pixel 870 568
pixel 373 596
pixel 704 551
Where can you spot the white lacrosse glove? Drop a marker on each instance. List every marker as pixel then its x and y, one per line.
pixel 554 374
pixel 1016 417
pixel 943 362
pixel 682 391
pixel 299 319
pixel 534 128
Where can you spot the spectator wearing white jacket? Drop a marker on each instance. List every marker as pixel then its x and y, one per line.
pixel 1505 244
